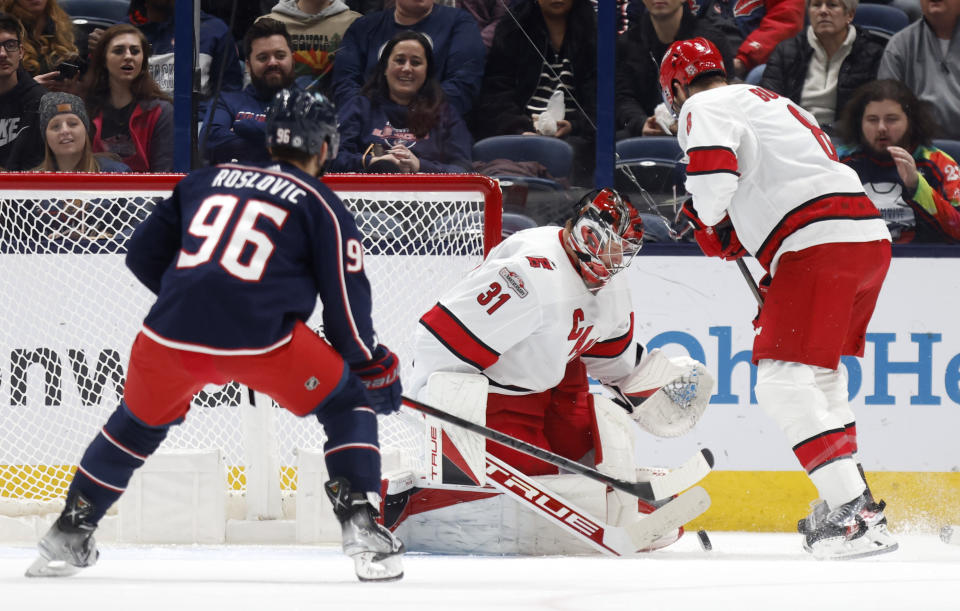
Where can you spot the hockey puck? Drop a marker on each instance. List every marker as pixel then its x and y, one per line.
pixel 704 540
pixel 948 534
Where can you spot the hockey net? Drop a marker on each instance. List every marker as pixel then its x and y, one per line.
pixel 69 311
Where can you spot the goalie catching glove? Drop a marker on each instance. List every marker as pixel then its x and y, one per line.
pixel 719 240
pixel 665 395
pixel 381 377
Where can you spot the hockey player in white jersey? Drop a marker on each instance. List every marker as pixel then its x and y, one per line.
pixel 765 180
pixel 548 306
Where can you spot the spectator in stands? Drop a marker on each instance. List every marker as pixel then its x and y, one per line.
pixel 48 42
pixel 487 13
pixel 66 128
pixel 458 50
pixel 926 56
pixel 21 146
pixel 820 68
pixel 915 185
pixel 552 46
pixel 316 30
pixel 217 47
pixel 638 63
pixel 237 128
pixel 132 115
pixel 759 27
pixel 400 122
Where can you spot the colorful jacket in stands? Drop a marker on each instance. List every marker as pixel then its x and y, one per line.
pixel 930 213
pixel 151 137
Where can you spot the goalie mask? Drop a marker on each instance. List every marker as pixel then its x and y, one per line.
pixel 605 234
pixel 302 120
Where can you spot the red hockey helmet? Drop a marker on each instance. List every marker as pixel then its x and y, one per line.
pixel 684 61
pixel 605 234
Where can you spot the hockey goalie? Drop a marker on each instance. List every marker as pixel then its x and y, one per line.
pixel 511 346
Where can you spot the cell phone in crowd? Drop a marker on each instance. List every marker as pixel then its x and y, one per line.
pixel 67 71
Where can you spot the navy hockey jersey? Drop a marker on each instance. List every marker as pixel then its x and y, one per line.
pixel 239 253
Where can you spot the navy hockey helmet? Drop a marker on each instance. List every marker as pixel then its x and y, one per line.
pixel 302 120
pixel 606 232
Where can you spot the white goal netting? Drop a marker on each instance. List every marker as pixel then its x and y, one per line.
pixel 69 311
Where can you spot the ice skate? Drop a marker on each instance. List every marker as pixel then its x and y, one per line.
pixel 69 544
pixel 375 551
pixel 856 529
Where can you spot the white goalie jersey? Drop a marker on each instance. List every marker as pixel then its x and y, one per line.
pixel 522 315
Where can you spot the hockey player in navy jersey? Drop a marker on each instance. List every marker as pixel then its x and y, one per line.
pixel 237 256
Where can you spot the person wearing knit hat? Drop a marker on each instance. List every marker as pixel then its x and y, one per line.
pixel 65 128
pixel 52 104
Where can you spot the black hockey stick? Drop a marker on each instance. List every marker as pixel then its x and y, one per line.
pixel 750 281
pixel 663 487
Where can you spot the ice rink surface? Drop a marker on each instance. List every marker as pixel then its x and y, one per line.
pixel 744 572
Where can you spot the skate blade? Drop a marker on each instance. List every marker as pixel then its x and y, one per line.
pixel 42 567
pixel 374 566
pixel 862 547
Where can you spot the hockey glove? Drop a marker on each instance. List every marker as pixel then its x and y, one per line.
pixel 719 240
pixel 381 377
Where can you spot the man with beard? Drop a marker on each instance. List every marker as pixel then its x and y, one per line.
pixel 915 185
pixel 21 144
pixel 236 129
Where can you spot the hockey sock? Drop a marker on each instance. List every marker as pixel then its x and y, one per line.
pixel 352 450
pixel 120 448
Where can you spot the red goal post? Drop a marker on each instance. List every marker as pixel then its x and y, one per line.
pixel 69 311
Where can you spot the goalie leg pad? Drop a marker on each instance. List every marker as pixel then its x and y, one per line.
pixel 463 395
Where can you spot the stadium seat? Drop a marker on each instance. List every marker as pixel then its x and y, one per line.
pixel 650 163
pixel 648 148
pixel 555 154
pixel 755 74
pixel 950 147
pixel 881 18
pixel 514 222
pixel 655 228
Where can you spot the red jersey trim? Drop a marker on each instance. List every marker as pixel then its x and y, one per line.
pixel 832 206
pixel 712 160
pixel 612 348
pixel 453 334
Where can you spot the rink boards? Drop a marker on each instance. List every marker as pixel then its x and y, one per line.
pixel 905 390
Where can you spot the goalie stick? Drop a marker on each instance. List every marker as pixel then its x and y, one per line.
pixel 659 488
pixel 606 538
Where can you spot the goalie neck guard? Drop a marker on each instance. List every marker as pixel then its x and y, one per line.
pixel 302 120
pixel 684 62
pixel 605 234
